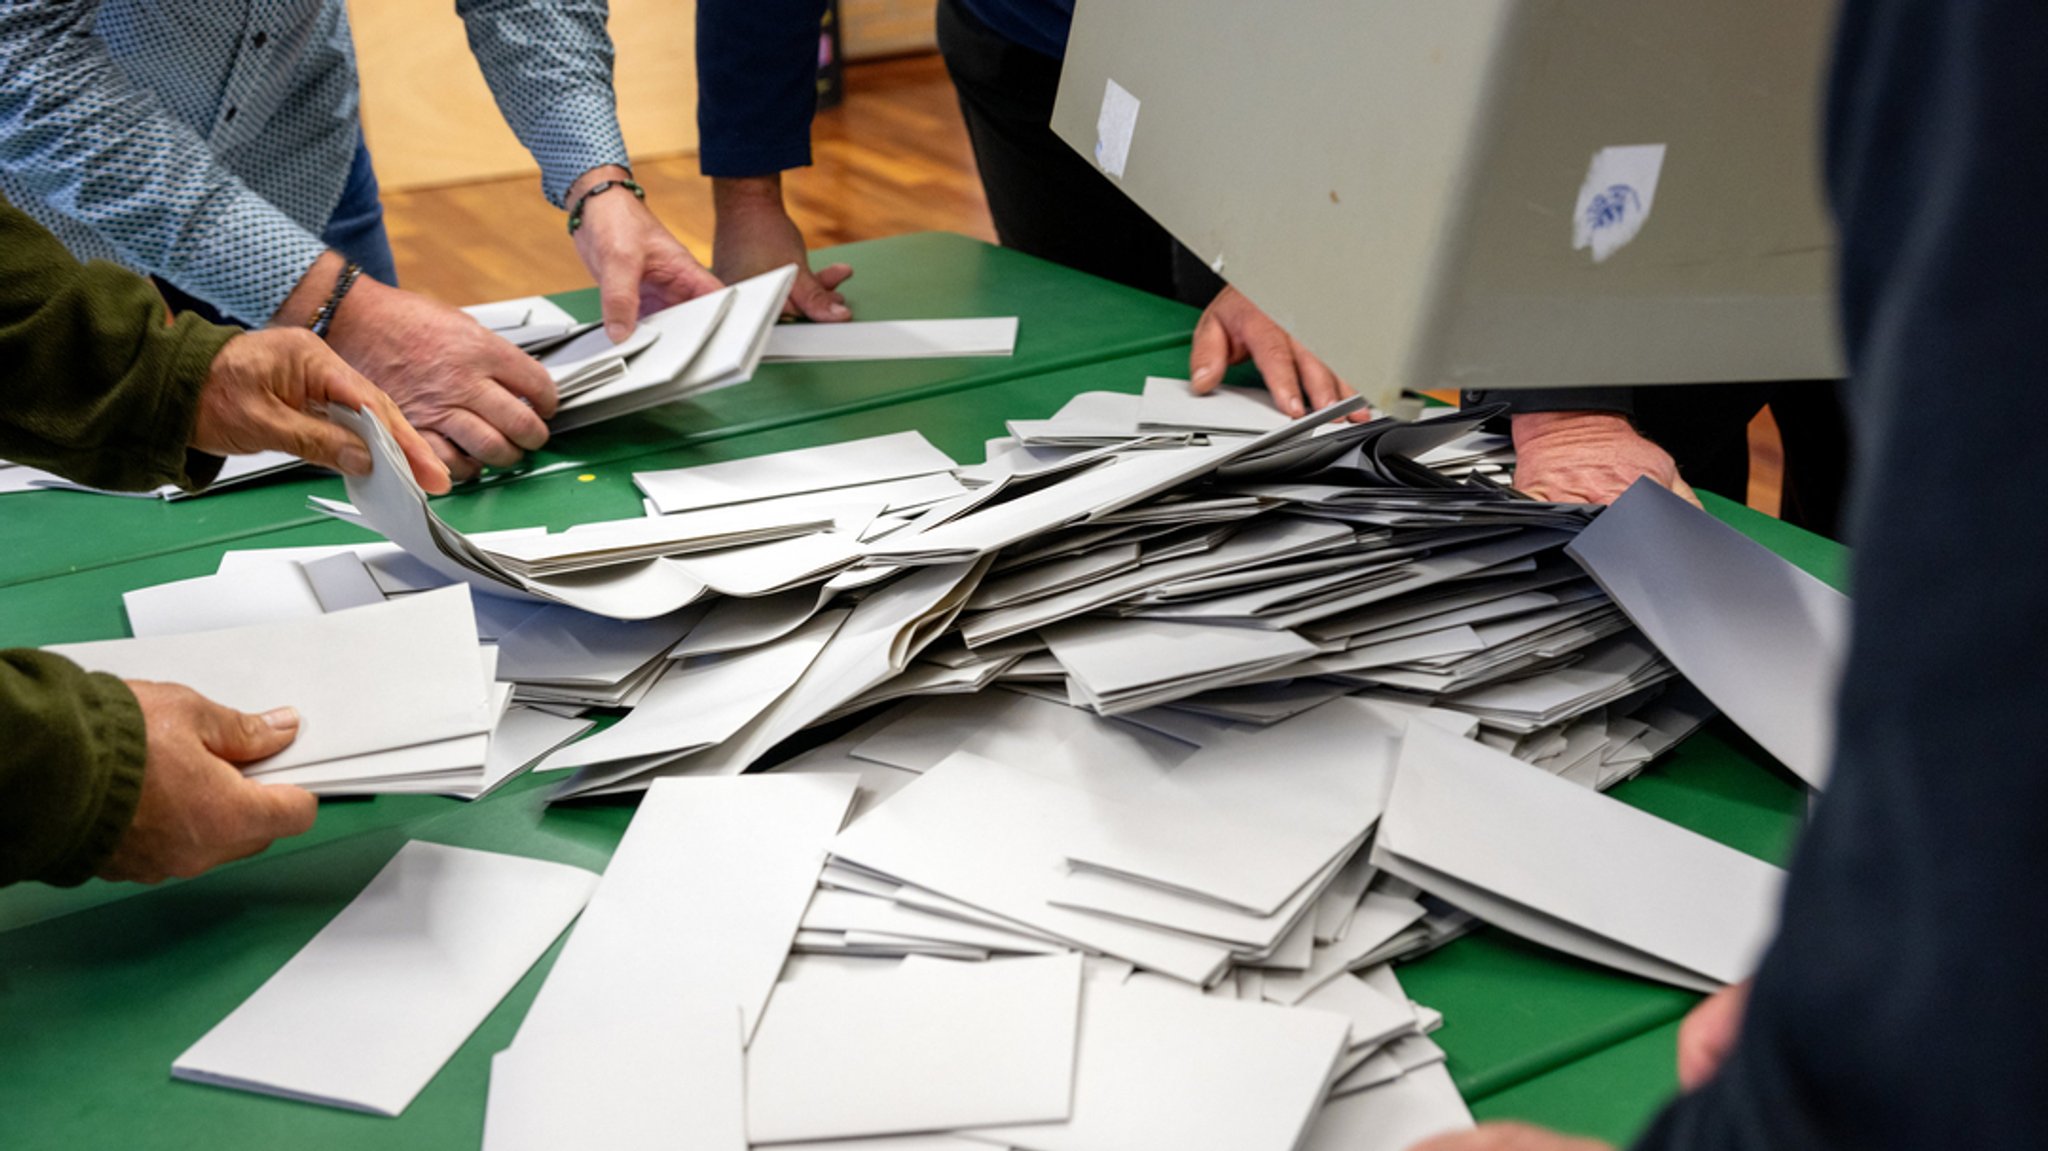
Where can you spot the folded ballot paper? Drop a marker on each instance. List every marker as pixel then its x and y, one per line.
pixel 368 1011
pixel 1573 869
pixel 627 571
pixel 1760 638
pixel 262 610
pixel 713 341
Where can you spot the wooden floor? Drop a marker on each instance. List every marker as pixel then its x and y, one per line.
pixel 894 158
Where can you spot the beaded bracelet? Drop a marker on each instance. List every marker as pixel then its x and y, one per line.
pixel 324 318
pixel 576 209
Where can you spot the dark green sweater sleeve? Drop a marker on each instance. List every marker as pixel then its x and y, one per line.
pixel 96 383
pixel 72 771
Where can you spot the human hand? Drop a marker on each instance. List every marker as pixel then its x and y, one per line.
pixel 1233 329
pixel 639 267
pixel 756 235
pixel 475 398
pixel 197 809
pixel 1587 458
pixel 1508 1137
pixel 1709 1034
pixel 263 386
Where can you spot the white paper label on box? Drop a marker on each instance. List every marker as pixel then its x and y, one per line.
pixel 1615 200
pixel 1113 128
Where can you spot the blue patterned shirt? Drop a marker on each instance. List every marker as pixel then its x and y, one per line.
pixel 207 141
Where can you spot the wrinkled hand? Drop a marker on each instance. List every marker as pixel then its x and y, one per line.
pixel 639 267
pixel 1587 458
pixel 1233 329
pixel 1509 1137
pixel 1709 1034
pixel 475 398
pixel 756 235
pixel 197 809
pixel 262 387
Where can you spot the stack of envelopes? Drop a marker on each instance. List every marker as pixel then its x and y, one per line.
pixel 394 696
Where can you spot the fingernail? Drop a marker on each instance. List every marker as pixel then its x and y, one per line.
pixel 355 461
pixel 281 718
pixel 615 330
pixel 839 311
pixel 1204 372
pixel 1294 407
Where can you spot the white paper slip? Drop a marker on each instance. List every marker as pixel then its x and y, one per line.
pixel 260 595
pixel 707 700
pixel 671 1080
pixel 732 860
pixel 1162 1071
pixel 734 350
pixel 1574 869
pixel 655 375
pixel 381 677
pixel 892 340
pixel 900 455
pixel 928 1046
pixel 992 837
pixel 1759 637
pixel 1394 1117
pixel 367 1012
pixel 525 312
pixel 1172 405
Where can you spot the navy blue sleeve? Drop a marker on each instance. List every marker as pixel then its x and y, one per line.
pixel 1620 401
pixel 757 84
pixel 1900 1007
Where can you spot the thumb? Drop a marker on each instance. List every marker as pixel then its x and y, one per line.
pixel 1209 356
pixel 621 297
pixel 1685 491
pixel 244 737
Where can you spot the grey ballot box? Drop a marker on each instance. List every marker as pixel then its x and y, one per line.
pixel 1485 193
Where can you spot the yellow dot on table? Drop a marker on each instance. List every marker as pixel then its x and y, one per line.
pixel 585 478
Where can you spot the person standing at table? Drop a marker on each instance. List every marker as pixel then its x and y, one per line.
pixel 215 144
pixel 1900 1005
pixel 756 62
pixel 756 93
pixel 99 384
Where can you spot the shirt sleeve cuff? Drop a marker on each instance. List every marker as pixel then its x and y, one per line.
pixel 244 257
pixel 1520 401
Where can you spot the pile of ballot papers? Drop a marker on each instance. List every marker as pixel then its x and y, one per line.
pixel 1242 570
pixel 1162 743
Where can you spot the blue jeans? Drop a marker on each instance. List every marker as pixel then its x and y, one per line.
pixel 356 229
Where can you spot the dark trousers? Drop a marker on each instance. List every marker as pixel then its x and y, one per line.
pixel 1705 427
pixel 1046 199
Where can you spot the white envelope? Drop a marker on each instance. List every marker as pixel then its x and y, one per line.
pixel 387 676
pixel 927 1046
pixel 367 1012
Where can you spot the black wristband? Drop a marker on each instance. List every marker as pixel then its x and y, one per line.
pixel 324 318
pixel 576 209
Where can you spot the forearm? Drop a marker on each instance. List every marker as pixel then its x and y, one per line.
pixel 84 142
pixel 549 65
pixel 757 84
pixel 101 386
pixel 71 773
